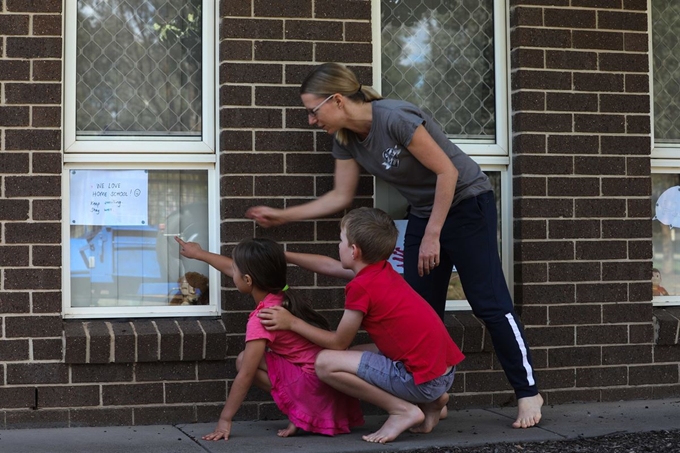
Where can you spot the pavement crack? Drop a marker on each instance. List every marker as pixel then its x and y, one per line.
pixel 193 439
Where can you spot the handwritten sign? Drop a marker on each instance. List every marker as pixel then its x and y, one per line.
pixel 109 197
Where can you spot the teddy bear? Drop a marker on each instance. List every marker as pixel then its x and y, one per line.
pixel 193 290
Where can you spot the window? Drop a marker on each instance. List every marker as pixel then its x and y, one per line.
pixel 449 58
pixel 140 161
pixel 666 152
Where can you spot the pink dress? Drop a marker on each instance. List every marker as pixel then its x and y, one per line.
pixel 310 404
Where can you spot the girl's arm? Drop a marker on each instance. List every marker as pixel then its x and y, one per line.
pixel 278 318
pixel 252 356
pixel 346 180
pixel 429 153
pixel 194 251
pixel 320 264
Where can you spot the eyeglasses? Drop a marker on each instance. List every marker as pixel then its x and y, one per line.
pixel 314 111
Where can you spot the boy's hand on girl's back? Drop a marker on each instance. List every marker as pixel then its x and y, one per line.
pixel 276 318
pixel 222 431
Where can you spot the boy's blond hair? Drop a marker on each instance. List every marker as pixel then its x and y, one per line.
pixel 373 231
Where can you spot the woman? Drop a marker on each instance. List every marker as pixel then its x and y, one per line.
pixel 452 212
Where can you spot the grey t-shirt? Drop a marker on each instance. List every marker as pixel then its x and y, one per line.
pixel 384 153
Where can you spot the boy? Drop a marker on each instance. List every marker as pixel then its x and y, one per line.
pixel 410 368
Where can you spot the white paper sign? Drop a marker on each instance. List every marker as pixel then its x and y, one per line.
pixel 109 197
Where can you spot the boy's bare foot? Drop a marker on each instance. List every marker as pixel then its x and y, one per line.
pixel 290 430
pixel 444 413
pixel 528 411
pixel 395 425
pixel 432 413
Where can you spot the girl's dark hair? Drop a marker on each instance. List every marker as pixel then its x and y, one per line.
pixel 265 261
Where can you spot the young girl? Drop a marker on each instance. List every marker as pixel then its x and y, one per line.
pixel 279 362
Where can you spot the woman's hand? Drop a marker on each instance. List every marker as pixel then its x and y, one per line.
pixel 189 249
pixel 222 431
pixel 276 318
pixel 265 216
pixel 428 255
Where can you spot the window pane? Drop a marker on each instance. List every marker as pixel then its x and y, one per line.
pixel 666 239
pixel 439 55
pixel 666 50
pixel 123 224
pixel 455 291
pixel 139 68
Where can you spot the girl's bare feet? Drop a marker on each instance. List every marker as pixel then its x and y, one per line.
pixel 396 424
pixel 290 430
pixel 432 413
pixel 528 411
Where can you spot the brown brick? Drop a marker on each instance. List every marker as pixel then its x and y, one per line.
pixel 538 207
pixel 573 229
pixel 599 165
pixel 528 100
pixel 557 59
pixel 527 58
pixel 233 49
pixel 578 356
pixel 32 233
pixel 277 96
pixel 282 8
pixel 309 163
pixel 132 394
pixel 576 187
pixel 638 124
pixel 358 31
pixel 636 42
pixel 14 163
pixel 171 341
pixel 13 256
pixel 626 62
pixel 147 341
pixel 556 378
pixel 17 397
pixel 81 395
pixel 573 144
pixel 598 208
pixel 33 326
pixel 236 186
pixel 640 250
pixel 636 270
pixel 245 73
pixel 542 122
pixel 14 302
pixel 15 70
pixel 165 371
pixel 195 392
pixel 100 417
pixel 48 256
pixel 251 29
pixel 586 81
pixel 289 141
pixel 540 37
pixel 124 342
pixel 573 272
pixel 526 16
pixel 14 350
pixel 76 342
pixel 215 340
pixel 46 418
pixel 653 374
pixel 99 342
pixel 192 340
pixel 606 4
pixel 37 373
pixel 47 25
pixel 639 292
pixel 595 335
pixel 621 354
pixel 33 47
pixel 626 145
pixel 235 231
pixel 589 39
pixel 34 6
pixel 569 18
pixel 343 9
pixel 600 250
pixel 312 30
pixel 569 315
pixel 164 415
pixel 33 186
pixel 638 166
pixel 550 336
pixel 14 116
pixel 544 251
pixel 283 50
pixel 298 232
pixel 572 102
pixel 252 163
pixel 615 20
pixel 236 7
pixel 46 163
pixel 14 24
pixel 46 302
pixel 46 117
pixel 284 185
pixel 530 186
pixel 608 124
pixel 103 373
pixel 541 80
pixel 50 349
pixel 47 70
pixel 251 118
pixel 32 139
pixel 601 292
pixel 344 53
pixel 640 186
pixel 236 141
pixel 531 272
pixel 619 103
pixel 601 377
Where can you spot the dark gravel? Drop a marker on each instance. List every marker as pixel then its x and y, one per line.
pixel 651 442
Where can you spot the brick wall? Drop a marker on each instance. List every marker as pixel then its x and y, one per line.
pixel 582 187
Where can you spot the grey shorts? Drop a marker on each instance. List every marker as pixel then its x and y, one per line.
pixel 391 376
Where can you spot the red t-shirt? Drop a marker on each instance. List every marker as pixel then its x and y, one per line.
pixel 402 324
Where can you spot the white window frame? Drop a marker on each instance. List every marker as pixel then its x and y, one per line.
pixel 490 154
pixel 152 153
pixel 665 157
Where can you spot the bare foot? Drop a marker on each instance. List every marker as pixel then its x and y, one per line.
pixel 444 413
pixel 395 425
pixel 290 430
pixel 432 413
pixel 528 411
